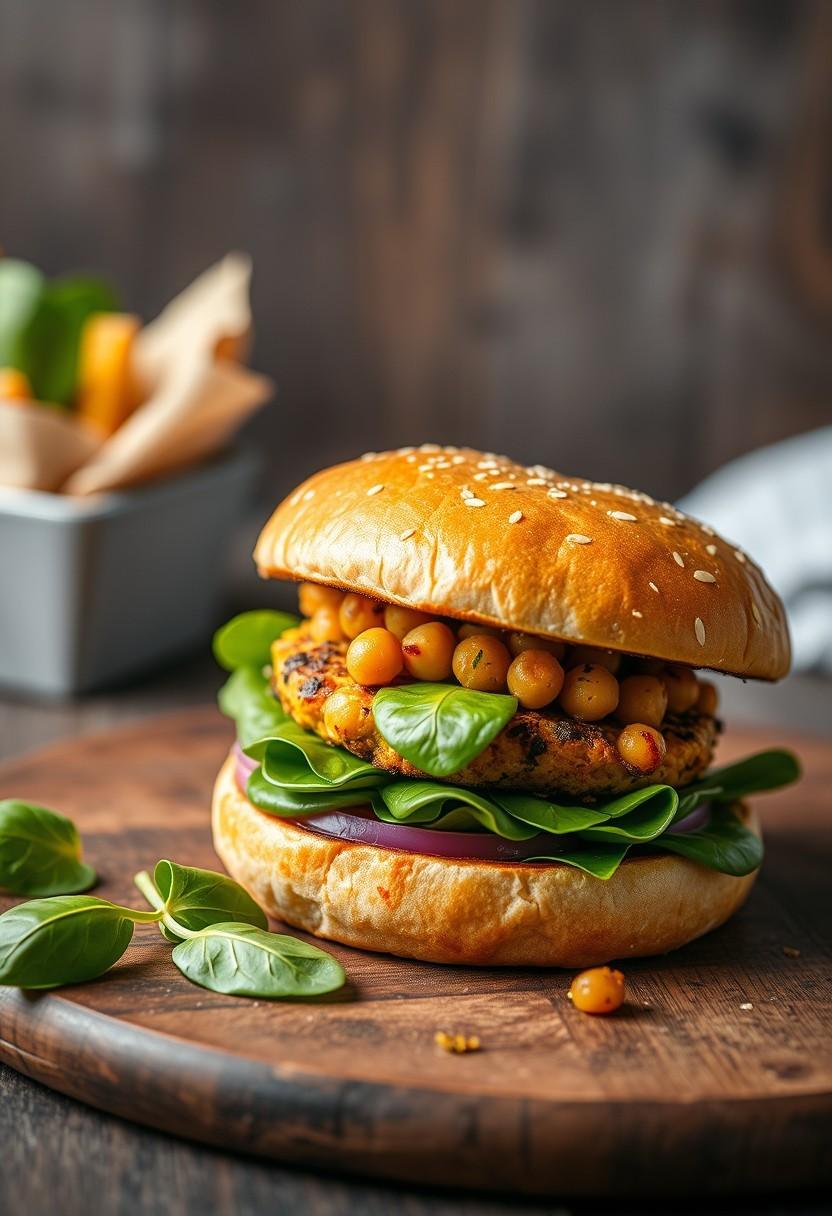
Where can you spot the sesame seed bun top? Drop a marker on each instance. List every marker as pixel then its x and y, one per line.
pixel 460 533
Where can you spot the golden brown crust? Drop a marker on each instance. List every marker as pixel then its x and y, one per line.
pixel 396 526
pixel 466 912
pixel 539 751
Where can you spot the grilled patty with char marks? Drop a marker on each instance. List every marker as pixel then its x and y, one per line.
pixel 538 751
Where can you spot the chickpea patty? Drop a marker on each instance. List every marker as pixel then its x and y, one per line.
pixel 539 751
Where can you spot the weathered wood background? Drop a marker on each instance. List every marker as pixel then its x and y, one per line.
pixel 594 234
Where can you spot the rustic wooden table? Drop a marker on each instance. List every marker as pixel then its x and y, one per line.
pixel 64 1158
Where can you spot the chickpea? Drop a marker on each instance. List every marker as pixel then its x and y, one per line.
pixel 589 692
pixel 374 657
pixel 708 700
pixel 471 630
pixel 357 614
pixel 598 990
pixel 429 651
pixel 682 688
pixel 535 678
pixel 481 662
pixel 312 596
pixel 325 626
pixel 641 747
pixel 401 620
pixel 582 655
pixel 518 642
pixel 642 699
pixel 346 716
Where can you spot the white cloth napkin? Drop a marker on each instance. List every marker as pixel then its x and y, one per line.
pixel 776 503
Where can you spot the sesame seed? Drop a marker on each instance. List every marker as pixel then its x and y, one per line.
pixel 369 456
pixel 558 494
pixel 638 614
pixel 710 550
pixel 423 468
pixel 699 630
pixel 653 587
pixel 443 464
pixel 294 500
pixel 430 447
pixel 407 534
pixel 740 556
pixel 755 612
pixel 467 493
pixel 579 539
pixel 677 557
pixel 376 489
pixel 411 459
pixel 503 485
pixel 668 523
pixel 486 464
pixel 535 481
pixel 515 517
pixel 703 576
pixel 473 502
pixel 708 531
pixel 480 476
pixel 309 494
pixel 623 515
pixel 457 459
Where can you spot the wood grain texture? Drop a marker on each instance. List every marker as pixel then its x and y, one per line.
pixel 555 1102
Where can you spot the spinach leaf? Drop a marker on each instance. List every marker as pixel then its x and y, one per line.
pixel 247 699
pixel 245 640
pixel 640 826
pixel 722 844
pixel 20 289
pixel 196 898
pixel 241 960
pixel 299 803
pixel 48 345
pixel 295 758
pixel 63 940
pixel 426 802
pixel 598 860
pixel 440 727
pixel 40 852
pixel 754 775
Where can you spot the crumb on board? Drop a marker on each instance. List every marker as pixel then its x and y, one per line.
pixel 457 1044
pixel 791 952
pixel 746 1005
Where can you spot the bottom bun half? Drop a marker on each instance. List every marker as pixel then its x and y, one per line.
pixel 466 912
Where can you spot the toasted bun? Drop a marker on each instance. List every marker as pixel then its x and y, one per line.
pixel 471 912
pixel 578 561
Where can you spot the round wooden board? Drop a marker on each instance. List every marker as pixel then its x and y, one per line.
pixel 716 1076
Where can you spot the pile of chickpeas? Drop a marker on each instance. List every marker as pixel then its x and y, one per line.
pixel 386 641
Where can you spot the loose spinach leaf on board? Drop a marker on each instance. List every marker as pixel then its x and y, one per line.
pixel 300 760
pixel 196 898
pixel 245 640
pixel 40 852
pixel 241 960
pixel 440 727
pixel 20 289
pixel 722 844
pixel 247 699
pixel 300 803
pixel 63 940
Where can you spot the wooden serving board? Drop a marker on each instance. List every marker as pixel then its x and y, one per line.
pixel 716 1076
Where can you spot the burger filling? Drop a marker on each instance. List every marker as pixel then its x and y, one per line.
pixel 587 755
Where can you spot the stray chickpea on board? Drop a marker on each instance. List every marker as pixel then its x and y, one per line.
pixel 598 990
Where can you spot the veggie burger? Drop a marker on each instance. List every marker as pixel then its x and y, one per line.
pixel 486 739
